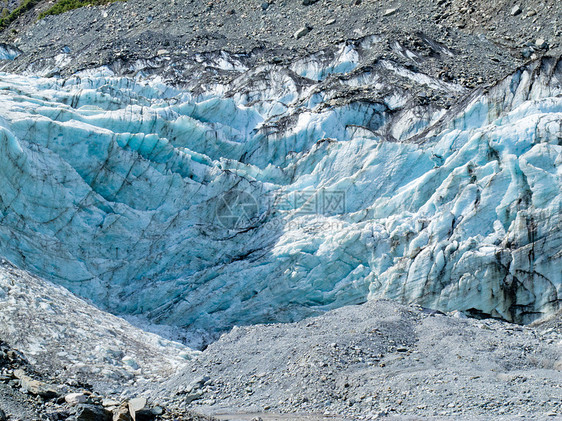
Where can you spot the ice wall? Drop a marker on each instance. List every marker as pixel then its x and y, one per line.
pixel 270 199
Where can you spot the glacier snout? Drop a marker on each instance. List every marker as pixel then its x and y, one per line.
pixel 234 206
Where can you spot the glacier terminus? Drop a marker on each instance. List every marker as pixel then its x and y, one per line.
pixel 269 196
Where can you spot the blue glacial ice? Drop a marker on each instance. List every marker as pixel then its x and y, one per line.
pixel 8 52
pixel 269 199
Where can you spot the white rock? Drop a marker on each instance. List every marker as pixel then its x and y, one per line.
pixel 110 402
pixel 136 405
pixel 516 10
pixel 76 398
pixel 458 314
pixel 390 12
pixel 541 43
pixel 301 32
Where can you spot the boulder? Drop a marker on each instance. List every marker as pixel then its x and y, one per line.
pixel 109 402
pixel 122 413
pixel 145 415
pixel 302 31
pixel 389 12
pixel 35 387
pixel 91 413
pixel 139 410
pixel 58 415
pixel 541 44
pixel 516 10
pixel 76 398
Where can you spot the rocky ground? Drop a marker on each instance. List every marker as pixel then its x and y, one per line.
pixel 61 358
pixel 379 360
pixel 27 395
pixel 43 320
pixel 470 42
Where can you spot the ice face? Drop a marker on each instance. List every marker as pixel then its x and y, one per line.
pixel 268 199
pixel 8 52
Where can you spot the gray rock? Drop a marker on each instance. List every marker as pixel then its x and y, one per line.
pixel 157 410
pixel 302 31
pixel 35 387
pixel 191 397
pixel 3 416
pixel 199 382
pixel 145 415
pixel 265 5
pixel 58 416
pixel 91 413
pixel 527 52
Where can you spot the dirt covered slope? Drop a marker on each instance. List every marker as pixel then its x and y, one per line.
pixel 471 42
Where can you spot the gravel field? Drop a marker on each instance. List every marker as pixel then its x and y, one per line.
pixel 380 359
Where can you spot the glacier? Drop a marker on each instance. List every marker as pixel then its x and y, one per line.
pixel 278 193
